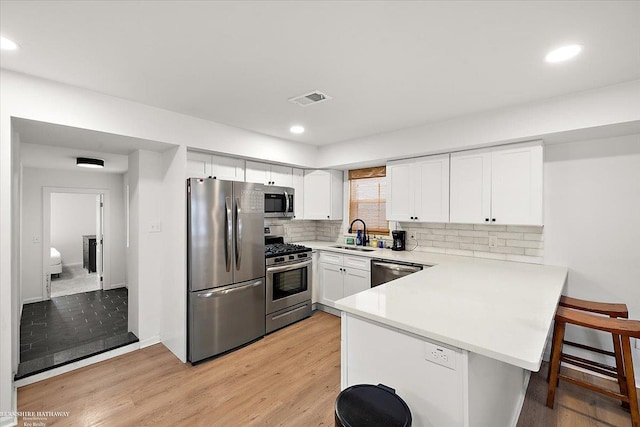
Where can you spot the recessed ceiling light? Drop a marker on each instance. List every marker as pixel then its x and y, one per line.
pixel 86 162
pixel 297 129
pixel 6 44
pixel 563 53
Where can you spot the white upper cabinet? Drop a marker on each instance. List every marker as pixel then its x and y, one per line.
pixel 264 173
pixel 501 185
pixel 516 185
pixel 471 186
pixel 323 194
pixel 418 189
pixel 202 165
pixel 198 165
pixel 227 168
pixel 298 186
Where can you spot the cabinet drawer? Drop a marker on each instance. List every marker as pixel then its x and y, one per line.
pixel 359 262
pixel 331 258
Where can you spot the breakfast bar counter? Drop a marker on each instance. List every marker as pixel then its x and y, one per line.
pixel 457 341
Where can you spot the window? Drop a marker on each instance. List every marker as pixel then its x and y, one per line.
pixel 368 199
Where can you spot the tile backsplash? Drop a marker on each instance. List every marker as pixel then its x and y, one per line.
pixel 306 230
pixel 515 243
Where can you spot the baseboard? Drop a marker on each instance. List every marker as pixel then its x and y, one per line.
pixel 9 421
pixel 77 365
pixel 150 341
pixel 73 264
pixel 114 286
pixel 31 300
pixel 328 309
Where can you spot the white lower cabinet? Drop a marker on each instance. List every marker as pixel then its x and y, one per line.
pixel 341 276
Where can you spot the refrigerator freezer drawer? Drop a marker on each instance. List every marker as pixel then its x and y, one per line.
pixel 221 319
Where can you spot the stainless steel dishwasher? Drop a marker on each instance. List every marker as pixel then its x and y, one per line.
pixel 383 271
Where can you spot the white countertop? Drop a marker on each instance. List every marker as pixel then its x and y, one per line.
pixel 498 309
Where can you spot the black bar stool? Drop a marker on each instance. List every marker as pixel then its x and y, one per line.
pixel 366 405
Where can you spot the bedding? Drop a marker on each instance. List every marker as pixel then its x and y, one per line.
pixel 55 263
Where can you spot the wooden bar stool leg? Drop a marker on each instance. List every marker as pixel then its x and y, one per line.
pixel 553 340
pixel 622 381
pixel 631 383
pixel 558 333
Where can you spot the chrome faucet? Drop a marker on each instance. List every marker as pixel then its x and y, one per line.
pixel 365 238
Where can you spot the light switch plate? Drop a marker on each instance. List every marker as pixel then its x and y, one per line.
pixel 36 239
pixel 156 227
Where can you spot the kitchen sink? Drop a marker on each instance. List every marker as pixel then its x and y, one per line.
pixel 353 248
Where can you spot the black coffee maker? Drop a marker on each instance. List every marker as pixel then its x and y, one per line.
pixel 399 239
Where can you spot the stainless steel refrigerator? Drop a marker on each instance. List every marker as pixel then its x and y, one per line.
pixel 225 267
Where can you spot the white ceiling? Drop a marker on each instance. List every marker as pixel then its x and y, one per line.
pixel 51 146
pixel 387 65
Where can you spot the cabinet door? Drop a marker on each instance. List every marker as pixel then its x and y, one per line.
pixel 400 191
pixel 432 190
pixel 259 173
pixel 317 195
pixel 298 186
pixel 516 185
pixel 356 281
pixel 471 187
pixel 332 283
pixel 198 165
pixel 281 176
pixel 227 168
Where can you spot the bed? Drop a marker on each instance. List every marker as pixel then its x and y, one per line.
pixel 55 263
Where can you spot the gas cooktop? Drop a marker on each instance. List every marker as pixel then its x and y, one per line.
pixel 278 249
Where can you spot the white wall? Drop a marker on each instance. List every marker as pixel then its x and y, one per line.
pixel 72 216
pixel 146 248
pixel 592 222
pixel 590 109
pixel 33 182
pixel 174 298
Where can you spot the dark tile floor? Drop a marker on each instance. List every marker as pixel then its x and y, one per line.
pixel 62 323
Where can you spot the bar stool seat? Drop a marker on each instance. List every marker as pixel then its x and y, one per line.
pixel 579 312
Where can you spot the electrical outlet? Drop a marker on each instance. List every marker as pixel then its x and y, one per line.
pixel 440 355
pixel 36 239
pixel 493 241
pixel 412 236
pixel 156 227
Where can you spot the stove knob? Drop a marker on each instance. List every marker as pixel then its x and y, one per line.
pixel 292 257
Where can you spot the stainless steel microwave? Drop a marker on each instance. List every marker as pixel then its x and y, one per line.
pixel 278 202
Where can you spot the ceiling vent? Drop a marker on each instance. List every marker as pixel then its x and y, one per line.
pixel 311 98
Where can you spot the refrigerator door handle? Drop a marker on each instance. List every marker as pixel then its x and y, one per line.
pixel 286 203
pixel 238 234
pixel 228 230
pixel 229 289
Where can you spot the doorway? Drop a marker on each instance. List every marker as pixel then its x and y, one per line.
pixel 75 255
pixel 75 262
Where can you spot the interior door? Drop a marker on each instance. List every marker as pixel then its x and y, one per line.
pixel 100 238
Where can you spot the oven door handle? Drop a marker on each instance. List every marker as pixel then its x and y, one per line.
pixel 293 266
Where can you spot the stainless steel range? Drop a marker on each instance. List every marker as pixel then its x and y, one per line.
pixel 288 280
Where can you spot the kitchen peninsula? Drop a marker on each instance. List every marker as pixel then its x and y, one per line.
pixel 457 341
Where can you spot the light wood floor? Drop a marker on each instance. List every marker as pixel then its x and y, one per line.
pixel 289 378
